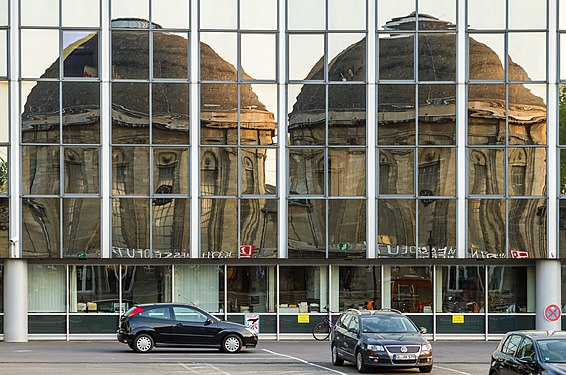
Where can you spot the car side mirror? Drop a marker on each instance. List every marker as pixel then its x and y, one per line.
pixel 353 330
pixel 423 330
pixel 207 322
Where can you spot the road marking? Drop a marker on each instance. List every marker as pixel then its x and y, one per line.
pixel 305 362
pixel 208 365
pixel 449 369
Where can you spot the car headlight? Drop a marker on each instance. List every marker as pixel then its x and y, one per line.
pixel 376 348
pixel 426 348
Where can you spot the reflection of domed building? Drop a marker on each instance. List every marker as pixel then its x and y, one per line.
pixel 136 121
pixel 399 106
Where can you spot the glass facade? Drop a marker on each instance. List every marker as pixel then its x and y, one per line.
pixel 283 157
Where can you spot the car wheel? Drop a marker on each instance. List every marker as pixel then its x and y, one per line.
pixel 232 344
pixel 143 343
pixel 425 369
pixel 360 365
pixel 336 360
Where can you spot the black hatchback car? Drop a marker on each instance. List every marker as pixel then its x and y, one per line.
pixel 530 352
pixel 379 338
pixel 180 325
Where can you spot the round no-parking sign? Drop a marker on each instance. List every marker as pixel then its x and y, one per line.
pixel 552 313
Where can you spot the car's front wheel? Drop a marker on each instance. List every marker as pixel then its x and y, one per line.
pixel 360 364
pixel 143 343
pixel 336 360
pixel 232 344
pixel 425 369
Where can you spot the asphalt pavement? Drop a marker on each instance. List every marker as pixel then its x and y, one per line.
pixel 270 357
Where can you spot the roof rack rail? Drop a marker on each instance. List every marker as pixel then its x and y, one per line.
pixel 392 310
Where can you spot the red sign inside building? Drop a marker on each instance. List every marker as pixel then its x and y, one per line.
pixel 517 254
pixel 246 251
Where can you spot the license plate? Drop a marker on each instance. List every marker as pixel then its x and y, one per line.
pixel 404 356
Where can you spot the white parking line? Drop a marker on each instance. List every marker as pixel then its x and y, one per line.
pixel 208 366
pixel 305 362
pixel 449 369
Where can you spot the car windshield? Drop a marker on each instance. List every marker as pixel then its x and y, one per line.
pixel 553 351
pixel 388 324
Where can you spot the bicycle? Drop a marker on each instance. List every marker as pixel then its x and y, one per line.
pixel 321 330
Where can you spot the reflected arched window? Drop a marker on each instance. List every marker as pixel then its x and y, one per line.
pixel 517 171
pixel 120 167
pixel 209 178
pixel 480 172
pixel 384 175
pixel 75 179
pixel 248 169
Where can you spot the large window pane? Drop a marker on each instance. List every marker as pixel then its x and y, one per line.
pixel 171 226
pixel 396 113
pixel 437 114
pixel 130 9
pixel 408 288
pixel 146 284
pixel 486 54
pixel 130 54
pixel 490 15
pixel 346 172
pixel 258 228
pixel 486 114
pixel 202 286
pixel 307 114
pixel 219 228
pixel 346 57
pixel 486 171
pixel 396 228
pixel 527 56
pixel 258 171
pixel 486 228
pixel 303 289
pixel 80 52
pixel 39 13
pixel 396 171
pixel 218 112
pixel 81 112
pixel 347 115
pixel 526 171
pixel 219 171
pixel 306 171
pixel 437 228
pixel 258 14
pixel 40 116
pixel 511 289
pixel 130 113
pixel 83 13
pixel 40 170
pixel 130 228
pixel 40 52
pixel 355 287
pixel 218 14
pixel 437 171
pixel 307 228
pixel 81 173
pixel 258 56
pixel 527 114
pixel 81 227
pixel 527 228
pixel 46 288
pixel 347 218
pixel 437 56
pixel 170 113
pixel 170 14
pixel 130 172
pixel 40 227
pixel 305 50
pixel 95 289
pixel 170 171
pixel 463 289
pixel 396 56
pixel 251 289
pixel 218 57
pixel 306 15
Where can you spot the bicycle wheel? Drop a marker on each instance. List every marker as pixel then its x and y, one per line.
pixel 321 331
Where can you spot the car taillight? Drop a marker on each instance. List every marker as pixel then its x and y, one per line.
pixel 136 311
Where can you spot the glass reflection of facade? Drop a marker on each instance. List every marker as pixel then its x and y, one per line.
pixel 283 158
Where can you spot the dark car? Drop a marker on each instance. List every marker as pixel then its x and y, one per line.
pixel 180 325
pixel 530 352
pixel 379 338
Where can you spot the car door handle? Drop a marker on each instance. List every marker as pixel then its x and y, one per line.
pixel 179 324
